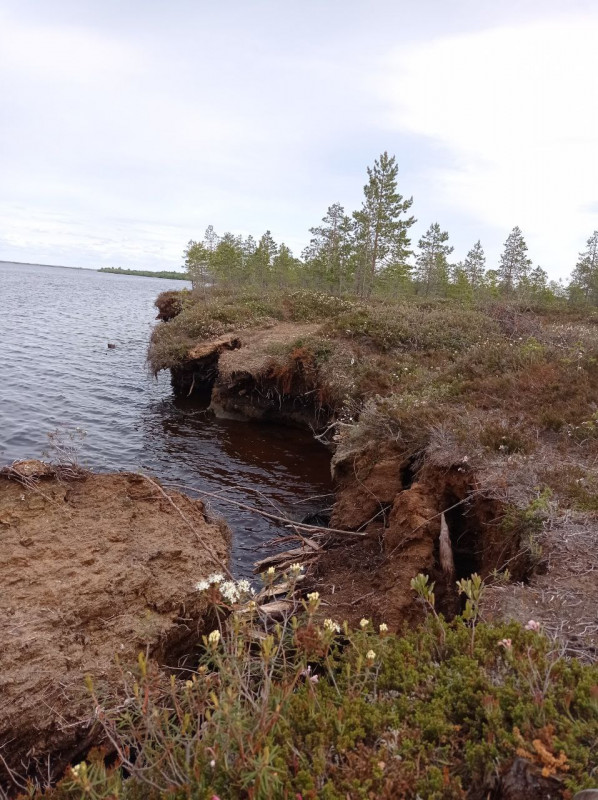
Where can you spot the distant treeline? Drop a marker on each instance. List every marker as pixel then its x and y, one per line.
pixel 369 251
pixel 148 273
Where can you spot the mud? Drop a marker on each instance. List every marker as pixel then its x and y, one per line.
pixel 93 567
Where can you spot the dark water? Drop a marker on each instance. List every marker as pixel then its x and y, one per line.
pixel 56 372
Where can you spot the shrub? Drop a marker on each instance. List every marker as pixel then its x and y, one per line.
pixel 307 708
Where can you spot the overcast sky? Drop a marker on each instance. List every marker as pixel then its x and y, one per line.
pixel 128 126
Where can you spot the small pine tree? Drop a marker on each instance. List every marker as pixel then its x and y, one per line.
pixel 474 265
pixel 197 263
pixel 585 275
pixel 328 255
pixel 227 260
pixel 432 267
pixel 514 264
pixel 260 261
pixel 284 266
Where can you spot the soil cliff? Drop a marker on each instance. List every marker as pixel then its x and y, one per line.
pixel 93 567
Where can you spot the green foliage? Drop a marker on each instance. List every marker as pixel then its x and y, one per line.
pixel 432 267
pixel 319 712
pixel 148 273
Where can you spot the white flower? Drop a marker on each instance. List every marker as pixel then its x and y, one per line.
pixel 383 627
pixel 189 684
pixel 244 587
pixel 229 591
pixel 216 577
pixel 202 586
pixel 296 569
pixel 506 643
pixel 270 572
pixel 532 625
pixel 214 638
pixel 76 769
pixel 363 623
pixel 312 598
pixel 331 626
pixel 370 656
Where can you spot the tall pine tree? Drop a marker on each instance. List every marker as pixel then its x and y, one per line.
pixel 381 234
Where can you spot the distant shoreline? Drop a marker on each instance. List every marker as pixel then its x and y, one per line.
pixel 32 264
pixel 148 273
pixel 145 273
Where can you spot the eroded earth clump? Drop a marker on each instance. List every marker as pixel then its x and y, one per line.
pixel 93 567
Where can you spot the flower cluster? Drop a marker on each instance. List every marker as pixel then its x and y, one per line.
pixel 231 591
pixel 331 626
pixel 204 585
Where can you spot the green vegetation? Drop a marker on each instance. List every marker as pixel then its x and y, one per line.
pixel 307 708
pixel 148 273
pixel 368 253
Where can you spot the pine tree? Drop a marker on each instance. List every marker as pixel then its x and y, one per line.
pixel 381 236
pixel 227 259
pixel 259 263
pixel 585 274
pixel 197 263
pixel 432 267
pixel 474 265
pixel 328 255
pixel 514 264
pixel 284 266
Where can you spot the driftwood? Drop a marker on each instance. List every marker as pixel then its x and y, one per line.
pixel 446 549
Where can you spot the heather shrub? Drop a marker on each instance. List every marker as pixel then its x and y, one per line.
pixel 306 707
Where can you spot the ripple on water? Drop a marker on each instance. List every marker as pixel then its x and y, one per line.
pixel 56 370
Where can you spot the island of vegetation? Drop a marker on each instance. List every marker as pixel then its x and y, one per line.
pixel 173 275
pixel 434 634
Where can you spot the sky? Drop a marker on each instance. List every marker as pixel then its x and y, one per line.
pixel 126 128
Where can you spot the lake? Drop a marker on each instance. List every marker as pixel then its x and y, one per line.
pixel 57 373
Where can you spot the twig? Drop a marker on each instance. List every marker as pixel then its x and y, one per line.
pixel 299 526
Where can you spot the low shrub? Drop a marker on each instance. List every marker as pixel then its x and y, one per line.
pixel 308 708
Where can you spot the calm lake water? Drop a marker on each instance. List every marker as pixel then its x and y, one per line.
pixel 56 372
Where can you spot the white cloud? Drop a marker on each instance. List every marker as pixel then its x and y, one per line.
pixel 515 108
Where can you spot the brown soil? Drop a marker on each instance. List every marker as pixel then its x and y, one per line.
pixel 400 515
pixel 93 566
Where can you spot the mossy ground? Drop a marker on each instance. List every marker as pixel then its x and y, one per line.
pixel 494 384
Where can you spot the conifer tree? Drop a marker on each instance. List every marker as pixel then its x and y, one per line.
pixel 474 265
pixel 381 235
pixel 432 267
pixel 284 266
pixel 328 255
pixel 259 263
pixel 227 259
pixel 197 263
pixel 514 264
pixel 585 274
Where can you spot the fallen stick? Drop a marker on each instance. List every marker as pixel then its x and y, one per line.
pixel 288 523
